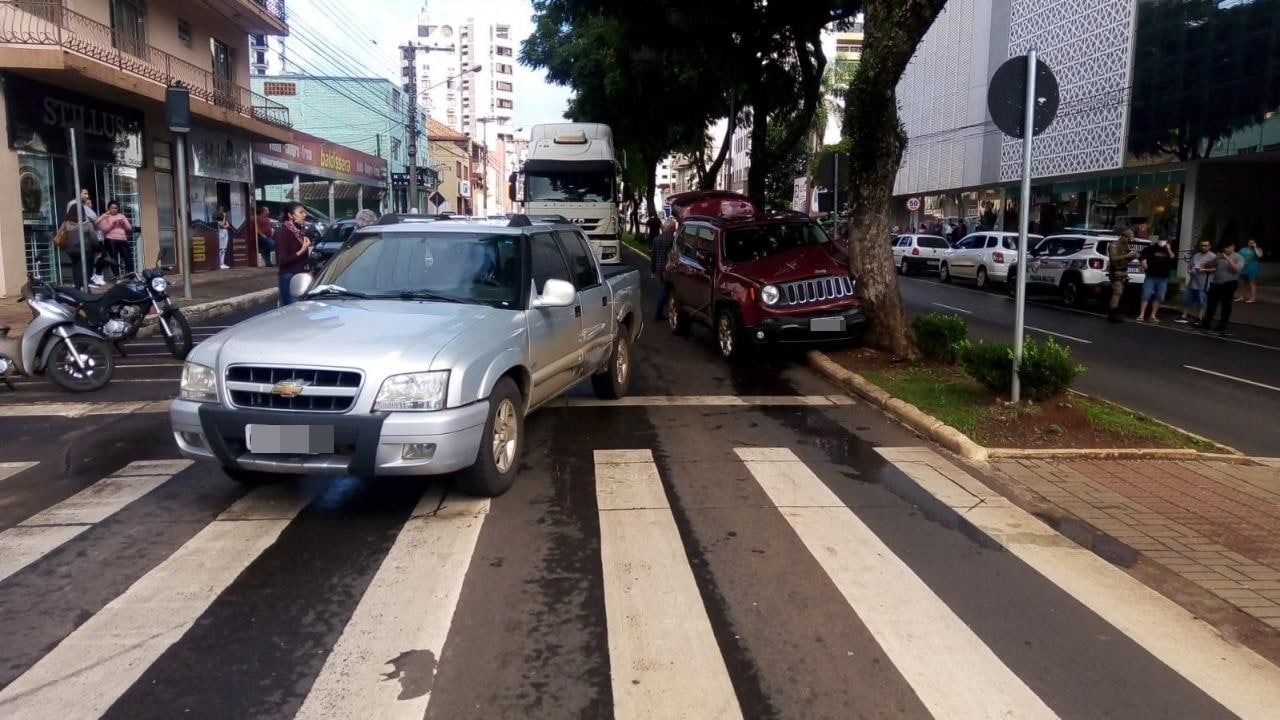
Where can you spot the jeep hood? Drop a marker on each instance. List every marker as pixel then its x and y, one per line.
pixel 797 264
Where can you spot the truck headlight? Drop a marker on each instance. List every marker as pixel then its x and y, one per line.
pixel 199 383
pixel 413 391
pixel 770 295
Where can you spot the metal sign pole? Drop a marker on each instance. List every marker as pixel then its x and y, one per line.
pixel 1024 217
pixel 184 226
pixel 75 174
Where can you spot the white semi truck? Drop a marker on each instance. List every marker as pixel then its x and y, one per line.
pixel 570 171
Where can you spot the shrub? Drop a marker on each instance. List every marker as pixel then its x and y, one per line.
pixel 939 335
pixel 1047 368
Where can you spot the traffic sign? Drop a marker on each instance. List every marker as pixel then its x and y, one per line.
pixel 1007 97
pixel 913 204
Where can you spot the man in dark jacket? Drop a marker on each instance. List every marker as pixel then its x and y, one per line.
pixel 660 250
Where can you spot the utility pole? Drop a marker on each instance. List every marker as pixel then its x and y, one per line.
pixel 409 73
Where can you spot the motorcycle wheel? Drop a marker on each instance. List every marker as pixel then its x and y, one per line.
pixel 178 339
pixel 64 372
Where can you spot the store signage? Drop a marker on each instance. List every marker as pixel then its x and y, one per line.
pixel 219 156
pixel 320 159
pixel 427 178
pixel 39 116
pixel 464 188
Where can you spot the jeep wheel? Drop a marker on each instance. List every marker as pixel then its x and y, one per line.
pixel 981 278
pixel 944 273
pixel 728 337
pixel 500 445
pixel 1072 293
pixel 613 381
pixel 677 320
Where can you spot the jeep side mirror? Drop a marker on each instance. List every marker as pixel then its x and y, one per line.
pixel 300 284
pixel 556 294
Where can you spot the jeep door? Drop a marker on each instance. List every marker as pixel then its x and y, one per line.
pixel 555 352
pixel 690 274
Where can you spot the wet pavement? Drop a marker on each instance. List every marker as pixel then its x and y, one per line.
pixel 700 560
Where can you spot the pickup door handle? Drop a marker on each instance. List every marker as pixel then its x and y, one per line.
pixel 577 311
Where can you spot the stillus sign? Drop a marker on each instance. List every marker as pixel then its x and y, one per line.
pixel 39 116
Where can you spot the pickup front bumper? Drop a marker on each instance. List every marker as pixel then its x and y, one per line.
pixel 818 327
pixel 406 443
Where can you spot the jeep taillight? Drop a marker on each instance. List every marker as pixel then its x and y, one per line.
pixel 998 257
pixel 1095 263
pixel 915 251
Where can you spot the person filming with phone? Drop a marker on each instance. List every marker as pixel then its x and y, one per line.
pixel 292 248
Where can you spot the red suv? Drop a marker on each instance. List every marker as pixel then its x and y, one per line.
pixel 757 278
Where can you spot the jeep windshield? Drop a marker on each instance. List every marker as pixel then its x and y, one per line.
pixel 470 267
pixel 544 186
pixel 761 241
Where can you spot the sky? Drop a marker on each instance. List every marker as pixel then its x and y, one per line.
pixel 339 37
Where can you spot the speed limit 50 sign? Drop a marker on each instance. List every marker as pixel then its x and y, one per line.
pixel 913 204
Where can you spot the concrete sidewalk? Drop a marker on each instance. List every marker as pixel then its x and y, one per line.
pixel 206 288
pixel 1214 524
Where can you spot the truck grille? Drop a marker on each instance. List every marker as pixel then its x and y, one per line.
pixel 813 290
pixel 318 390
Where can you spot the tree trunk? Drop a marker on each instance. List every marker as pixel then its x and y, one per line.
pixel 651 178
pixel 760 157
pixel 708 179
pixel 876 142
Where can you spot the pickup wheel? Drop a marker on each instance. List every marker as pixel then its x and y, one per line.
pixel 500 445
pixel 613 381
pixel 678 320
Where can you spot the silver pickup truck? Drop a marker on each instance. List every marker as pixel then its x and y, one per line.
pixel 418 350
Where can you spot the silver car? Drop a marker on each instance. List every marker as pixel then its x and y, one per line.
pixel 418 350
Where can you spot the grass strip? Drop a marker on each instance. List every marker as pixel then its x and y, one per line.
pixel 1114 418
pixel 636 242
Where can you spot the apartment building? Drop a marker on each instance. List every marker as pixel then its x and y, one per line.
pixel 100 68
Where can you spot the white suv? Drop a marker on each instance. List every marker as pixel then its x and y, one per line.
pixel 913 253
pixel 983 257
pixel 1075 266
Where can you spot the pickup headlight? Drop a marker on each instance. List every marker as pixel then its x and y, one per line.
pixel 413 391
pixel 199 383
pixel 770 294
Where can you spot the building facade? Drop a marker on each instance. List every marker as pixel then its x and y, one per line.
pixel 1169 118
pixel 95 72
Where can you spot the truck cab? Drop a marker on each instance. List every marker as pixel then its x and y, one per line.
pixel 571 172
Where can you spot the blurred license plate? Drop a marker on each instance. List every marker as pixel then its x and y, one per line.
pixel 289 439
pixel 830 324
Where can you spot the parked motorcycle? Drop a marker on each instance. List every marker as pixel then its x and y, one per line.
pixel 119 312
pixel 73 356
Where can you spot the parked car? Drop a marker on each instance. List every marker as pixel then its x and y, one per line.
pixel 418 350
pixel 916 253
pixel 758 278
pixel 334 238
pixel 1074 266
pixel 983 257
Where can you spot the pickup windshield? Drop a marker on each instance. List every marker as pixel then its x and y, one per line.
pixel 761 241
pixel 569 186
pixel 471 267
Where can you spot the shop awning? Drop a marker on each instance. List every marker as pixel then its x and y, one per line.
pixel 318 159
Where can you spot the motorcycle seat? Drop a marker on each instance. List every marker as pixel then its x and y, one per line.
pixel 4 330
pixel 78 296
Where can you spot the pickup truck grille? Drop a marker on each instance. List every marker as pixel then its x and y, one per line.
pixel 302 389
pixel 821 289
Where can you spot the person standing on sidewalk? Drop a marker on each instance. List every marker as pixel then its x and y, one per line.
pixel 1252 254
pixel 1157 263
pixel 67 239
pixel 292 248
pixel 1120 254
pixel 224 240
pixel 1222 288
pixel 117 233
pixel 262 226
pixel 1196 294
pixel 659 252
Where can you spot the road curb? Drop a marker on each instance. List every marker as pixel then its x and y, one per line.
pixel 957 442
pixel 215 308
pixel 913 417
pixel 1222 449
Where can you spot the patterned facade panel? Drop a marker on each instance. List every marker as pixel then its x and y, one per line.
pixel 933 100
pixel 1087 44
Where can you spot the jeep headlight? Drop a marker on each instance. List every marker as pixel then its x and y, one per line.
pixel 413 391
pixel 199 383
pixel 159 284
pixel 770 294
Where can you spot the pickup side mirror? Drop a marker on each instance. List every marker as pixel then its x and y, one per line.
pixel 300 284
pixel 556 294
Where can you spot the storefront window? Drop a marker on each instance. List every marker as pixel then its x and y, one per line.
pixel 1147 203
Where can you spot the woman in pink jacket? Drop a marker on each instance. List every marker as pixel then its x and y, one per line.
pixel 118 233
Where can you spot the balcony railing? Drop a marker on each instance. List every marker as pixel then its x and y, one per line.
pixel 274 7
pixel 50 24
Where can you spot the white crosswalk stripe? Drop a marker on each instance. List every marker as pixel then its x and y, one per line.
pixel 47 530
pixel 10 469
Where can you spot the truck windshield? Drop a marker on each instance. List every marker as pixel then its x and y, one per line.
pixel 471 267
pixel 761 241
pixel 569 187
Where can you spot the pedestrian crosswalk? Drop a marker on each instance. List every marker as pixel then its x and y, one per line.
pixel 672 650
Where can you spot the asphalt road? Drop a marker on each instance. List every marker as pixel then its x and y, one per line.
pixel 727 543
pixel 1226 389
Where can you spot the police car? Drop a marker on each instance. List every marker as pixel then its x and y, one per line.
pixel 1074 265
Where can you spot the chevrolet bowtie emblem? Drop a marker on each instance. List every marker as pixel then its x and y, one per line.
pixel 288 388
